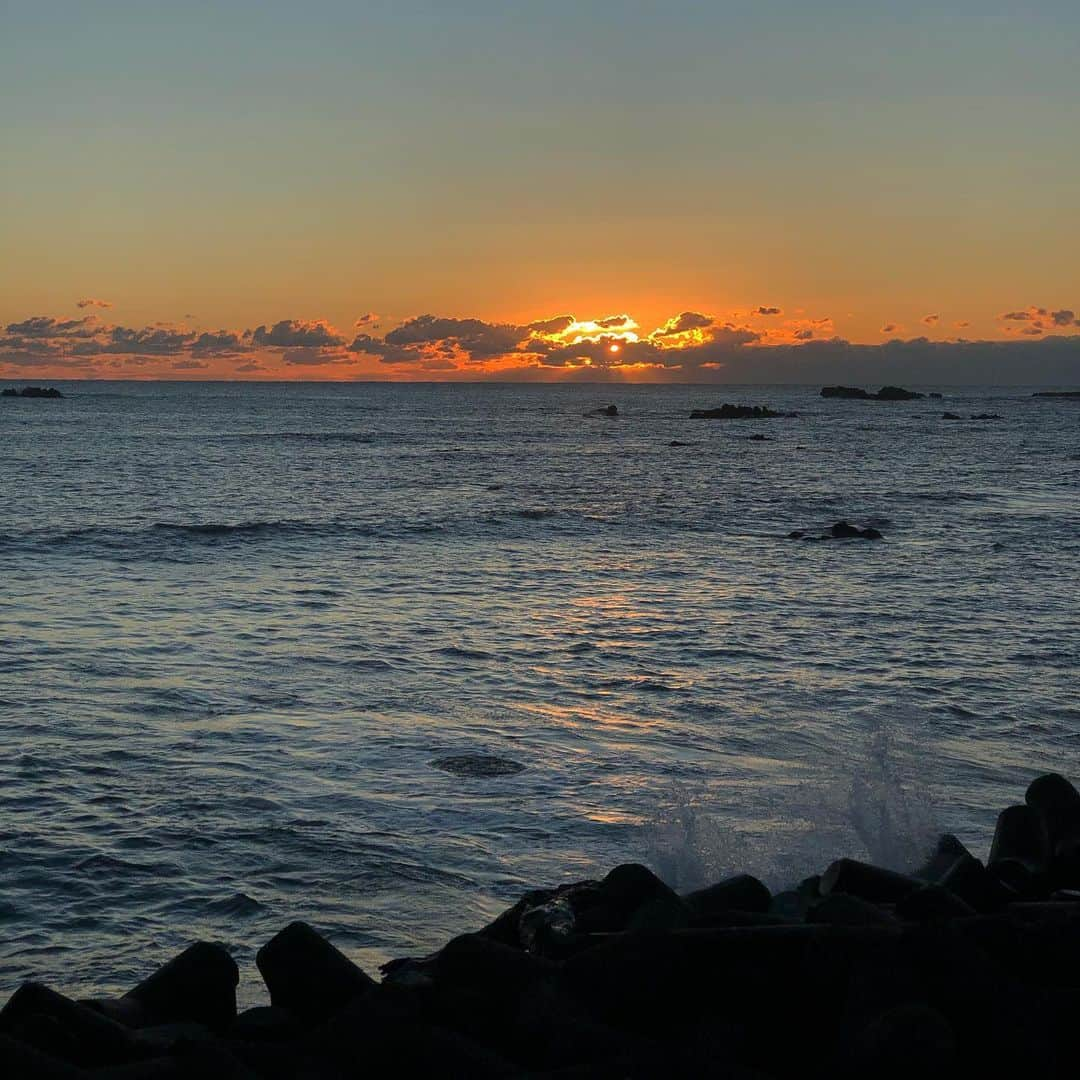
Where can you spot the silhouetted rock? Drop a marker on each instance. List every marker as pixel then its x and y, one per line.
pixel 33 392
pixel 741 893
pixel 308 976
pixel 840 530
pixel 604 410
pixel 931 904
pixel 933 394
pixel 198 985
pixel 1058 805
pixel 855 392
pixel 872 883
pixel 675 442
pixel 886 393
pixel 1020 853
pixel 950 416
pixel 738 412
pixel 987 416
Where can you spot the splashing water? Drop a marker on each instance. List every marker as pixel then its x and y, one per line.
pixel 874 803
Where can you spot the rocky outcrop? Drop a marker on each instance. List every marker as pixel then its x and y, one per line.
pixel 840 530
pixel 738 412
pixel 958 967
pixel 32 392
pixel 604 410
pixel 886 393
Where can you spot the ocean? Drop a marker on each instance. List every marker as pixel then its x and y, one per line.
pixel 243 626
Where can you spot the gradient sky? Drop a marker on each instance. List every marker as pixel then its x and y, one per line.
pixel 205 167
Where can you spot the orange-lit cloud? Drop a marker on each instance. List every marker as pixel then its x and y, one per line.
pixel 90 301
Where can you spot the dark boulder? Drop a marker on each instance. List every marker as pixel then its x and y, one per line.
pixel 950 416
pixel 873 883
pixel 742 893
pixel 198 985
pixel 604 410
pixel 308 976
pixel 1058 804
pixel 987 416
pixel 481 766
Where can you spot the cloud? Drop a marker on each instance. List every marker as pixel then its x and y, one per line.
pixel 1039 319
pixel 92 302
pixel 768 311
pixel 931 320
pixel 296 333
pixel 684 323
pixel 45 326
pixel 370 319
pixel 156 340
pixel 615 322
pixel 478 339
pixel 961 324
pixel 311 356
pixel 890 328
pixel 189 365
pixel 250 366
pixel 219 343
pixel 556 325
pixel 804 335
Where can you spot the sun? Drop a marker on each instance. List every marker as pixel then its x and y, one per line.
pixel 614 348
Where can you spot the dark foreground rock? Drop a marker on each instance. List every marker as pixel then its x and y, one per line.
pixel 857 393
pixel 738 412
pixel 32 392
pixel 958 968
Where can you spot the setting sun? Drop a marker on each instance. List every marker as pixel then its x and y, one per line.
pixel 613 348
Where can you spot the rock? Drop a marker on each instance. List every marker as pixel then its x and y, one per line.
pixel 946 851
pixel 854 392
pixel 843 909
pixel 474 962
pixel 482 766
pixel 1058 804
pixel 738 412
pixel 759 438
pixel 968 879
pixel 1058 393
pixel 987 416
pixel 872 883
pixel 265 1024
pixel 198 985
pixel 675 442
pixel 639 900
pixel 933 395
pixel 932 904
pixel 33 392
pixel 741 893
pixel 950 416
pixel 18 1061
pixel 605 410
pixel 897 393
pixel 886 393
pixel 308 976
pixel 840 530
pixel 63 1028
pixel 1020 852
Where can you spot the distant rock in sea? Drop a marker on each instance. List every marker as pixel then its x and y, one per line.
pixel 32 391
pixel 1058 393
pixel 840 530
pixel 604 410
pixel 857 393
pixel 737 412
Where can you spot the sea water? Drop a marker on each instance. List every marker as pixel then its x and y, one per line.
pixel 240 625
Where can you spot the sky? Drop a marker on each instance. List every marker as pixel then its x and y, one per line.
pixel 675 190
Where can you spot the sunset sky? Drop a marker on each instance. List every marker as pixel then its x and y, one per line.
pixel 402 189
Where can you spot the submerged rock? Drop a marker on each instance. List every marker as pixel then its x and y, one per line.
pixel 478 765
pixel 604 410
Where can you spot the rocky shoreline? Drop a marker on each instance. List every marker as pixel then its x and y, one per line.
pixel 962 967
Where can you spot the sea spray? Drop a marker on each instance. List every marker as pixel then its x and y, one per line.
pixel 876 801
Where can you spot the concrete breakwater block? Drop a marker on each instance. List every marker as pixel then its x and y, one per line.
pixel 960 967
